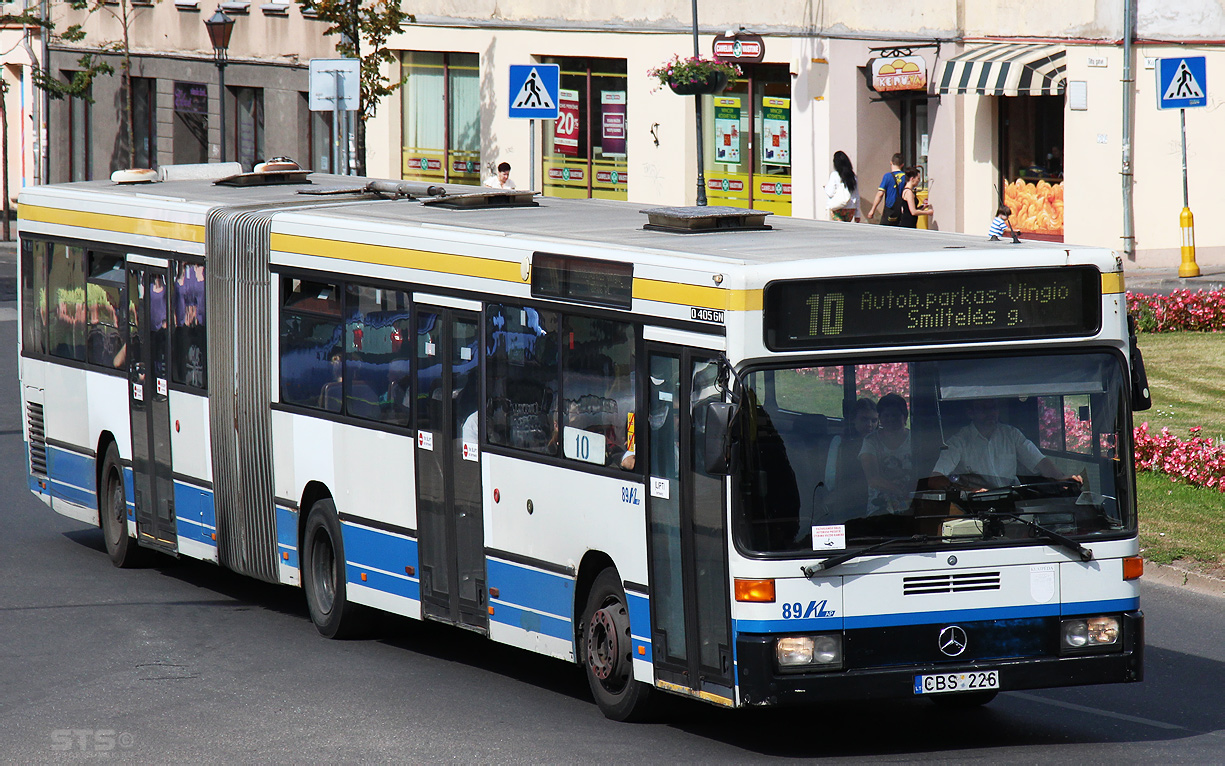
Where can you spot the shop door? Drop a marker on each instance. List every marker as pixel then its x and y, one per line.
pixel 149 399
pixel 451 537
pixel 691 631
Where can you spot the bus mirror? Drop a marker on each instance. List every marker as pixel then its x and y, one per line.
pixel 1141 399
pixel 717 442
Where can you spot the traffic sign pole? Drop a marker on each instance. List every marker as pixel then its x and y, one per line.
pixel 1186 221
pixel 1182 82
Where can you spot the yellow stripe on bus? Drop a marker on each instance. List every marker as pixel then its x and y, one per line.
pixel 705 695
pixel 1112 283
pixel 385 255
pixel 184 232
pixel 695 295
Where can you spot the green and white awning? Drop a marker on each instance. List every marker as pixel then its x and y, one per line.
pixel 1006 69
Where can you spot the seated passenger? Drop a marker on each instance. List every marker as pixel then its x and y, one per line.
pixel 887 460
pixel 986 453
pixel 846 487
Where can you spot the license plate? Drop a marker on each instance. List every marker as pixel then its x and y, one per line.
pixel 939 683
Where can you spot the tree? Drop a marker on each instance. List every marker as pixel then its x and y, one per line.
pixel 364 25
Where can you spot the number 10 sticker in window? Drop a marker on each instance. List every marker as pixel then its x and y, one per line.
pixel 584 445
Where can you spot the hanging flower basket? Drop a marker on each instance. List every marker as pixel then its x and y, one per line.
pixel 695 76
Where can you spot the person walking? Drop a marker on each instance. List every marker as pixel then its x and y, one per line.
pixel 910 208
pixel 502 179
pixel 889 193
pixel 842 190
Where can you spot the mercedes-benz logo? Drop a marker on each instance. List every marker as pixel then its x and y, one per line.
pixel 952 640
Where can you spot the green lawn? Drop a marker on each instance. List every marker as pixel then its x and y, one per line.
pixel 1186 375
pixel 1178 521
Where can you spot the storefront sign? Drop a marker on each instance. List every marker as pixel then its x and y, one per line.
pixel 191 98
pixel 565 130
pixel 899 73
pixel 727 130
pixel 612 130
pixel 740 48
pixel 776 131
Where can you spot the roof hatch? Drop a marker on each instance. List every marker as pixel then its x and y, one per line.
pixel 700 220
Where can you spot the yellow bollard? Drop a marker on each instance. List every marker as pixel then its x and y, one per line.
pixel 920 198
pixel 1188 267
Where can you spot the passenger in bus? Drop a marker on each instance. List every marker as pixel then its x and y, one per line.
pixel 986 454
pixel 887 460
pixel 845 484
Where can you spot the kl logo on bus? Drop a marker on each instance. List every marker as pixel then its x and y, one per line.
pixel 796 611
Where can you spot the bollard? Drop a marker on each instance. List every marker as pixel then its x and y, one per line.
pixel 1188 267
pixel 920 199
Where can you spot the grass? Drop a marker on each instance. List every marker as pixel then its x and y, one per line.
pixel 1186 375
pixel 1179 522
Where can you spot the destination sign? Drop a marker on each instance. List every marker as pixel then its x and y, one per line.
pixel 587 280
pixel 949 307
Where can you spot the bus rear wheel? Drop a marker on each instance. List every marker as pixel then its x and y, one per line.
pixel 113 513
pixel 323 575
pixel 606 651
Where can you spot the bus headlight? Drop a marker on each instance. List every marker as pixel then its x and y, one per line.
pixel 807 653
pixel 1088 633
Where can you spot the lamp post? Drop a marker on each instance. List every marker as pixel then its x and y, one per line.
pixel 220 27
pixel 698 114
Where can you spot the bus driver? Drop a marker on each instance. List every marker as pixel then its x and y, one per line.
pixel 986 453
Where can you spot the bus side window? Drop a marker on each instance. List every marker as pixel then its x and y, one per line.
pixel 104 295
pixel 34 296
pixel 312 354
pixel 189 346
pixel 66 291
pixel 522 378
pixel 598 385
pixel 377 360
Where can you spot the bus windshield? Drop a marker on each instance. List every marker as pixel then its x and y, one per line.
pixel 950 451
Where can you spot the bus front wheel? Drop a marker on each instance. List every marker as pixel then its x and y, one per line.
pixel 323 575
pixel 113 513
pixel 606 651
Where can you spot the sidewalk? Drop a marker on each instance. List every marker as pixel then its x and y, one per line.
pixel 1162 281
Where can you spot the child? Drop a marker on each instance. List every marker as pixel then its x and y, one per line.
pixel 999 224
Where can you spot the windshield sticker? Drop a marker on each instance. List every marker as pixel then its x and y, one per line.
pixel 829 538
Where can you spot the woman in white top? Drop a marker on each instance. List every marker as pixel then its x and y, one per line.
pixel 887 461
pixel 842 190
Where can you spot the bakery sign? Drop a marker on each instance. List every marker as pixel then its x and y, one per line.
pixel 898 73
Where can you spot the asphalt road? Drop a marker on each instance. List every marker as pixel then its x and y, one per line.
pixel 182 661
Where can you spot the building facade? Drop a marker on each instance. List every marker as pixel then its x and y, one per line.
pixel 1044 106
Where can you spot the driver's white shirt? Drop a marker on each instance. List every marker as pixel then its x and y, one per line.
pixel 968 451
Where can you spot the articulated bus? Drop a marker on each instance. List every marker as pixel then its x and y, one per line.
pixel 698 451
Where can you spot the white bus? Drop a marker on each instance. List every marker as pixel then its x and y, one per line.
pixel 754 461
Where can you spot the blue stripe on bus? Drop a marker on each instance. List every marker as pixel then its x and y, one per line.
pixel 194 514
pixel 287 536
pixel 381 556
pixel 72 476
pixel 812 624
pixel 533 622
pixel 640 624
pixel 539 591
pixel 1098 607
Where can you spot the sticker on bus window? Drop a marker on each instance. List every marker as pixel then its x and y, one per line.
pixel 161 387
pixel 425 440
pixel 429 348
pixel 465 354
pixel 829 538
pixel 470 451
pixel 583 445
pixel 659 488
pixel 138 391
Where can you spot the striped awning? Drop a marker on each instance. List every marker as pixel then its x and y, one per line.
pixel 1006 69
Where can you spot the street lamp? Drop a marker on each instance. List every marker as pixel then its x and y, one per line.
pixel 220 27
pixel 701 200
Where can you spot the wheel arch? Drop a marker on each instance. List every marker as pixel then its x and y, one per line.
pixel 589 568
pixel 313 492
pixel 105 440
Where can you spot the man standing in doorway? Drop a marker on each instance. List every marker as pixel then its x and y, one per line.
pixel 890 192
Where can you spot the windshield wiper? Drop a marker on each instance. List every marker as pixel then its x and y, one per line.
pixel 1050 534
pixel 854 553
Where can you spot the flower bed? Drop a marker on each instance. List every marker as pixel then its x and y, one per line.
pixel 1201 311
pixel 1199 460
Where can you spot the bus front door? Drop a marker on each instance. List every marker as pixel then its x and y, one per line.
pixel 149 399
pixel 690 620
pixel 451 533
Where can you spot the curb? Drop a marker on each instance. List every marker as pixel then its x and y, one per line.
pixel 1177 577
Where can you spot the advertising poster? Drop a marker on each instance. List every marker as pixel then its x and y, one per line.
pixel 612 130
pixel 727 130
pixel 776 131
pixel 565 129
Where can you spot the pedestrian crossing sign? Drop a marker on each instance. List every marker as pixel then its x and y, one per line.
pixel 1182 82
pixel 534 91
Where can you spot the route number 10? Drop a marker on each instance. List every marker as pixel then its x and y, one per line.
pixel 825 317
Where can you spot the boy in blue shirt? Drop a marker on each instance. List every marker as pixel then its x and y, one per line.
pixel 999 224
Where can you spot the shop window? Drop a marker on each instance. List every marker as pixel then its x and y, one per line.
pixel 66 289
pixel 190 135
pixel 34 256
pixel 598 391
pixel 585 148
pixel 105 345
pixel 377 382
pixel 144 123
pixel 441 144
pixel 248 126
pixel 1031 163
pixel 312 354
pixel 522 378
pixel 747 149
pixel 189 348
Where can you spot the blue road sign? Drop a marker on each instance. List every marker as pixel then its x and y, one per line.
pixel 534 91
pixel 1182 82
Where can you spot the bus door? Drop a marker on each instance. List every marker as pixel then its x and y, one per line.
pixel 451 534
pixel 149 399
pixel 691 629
